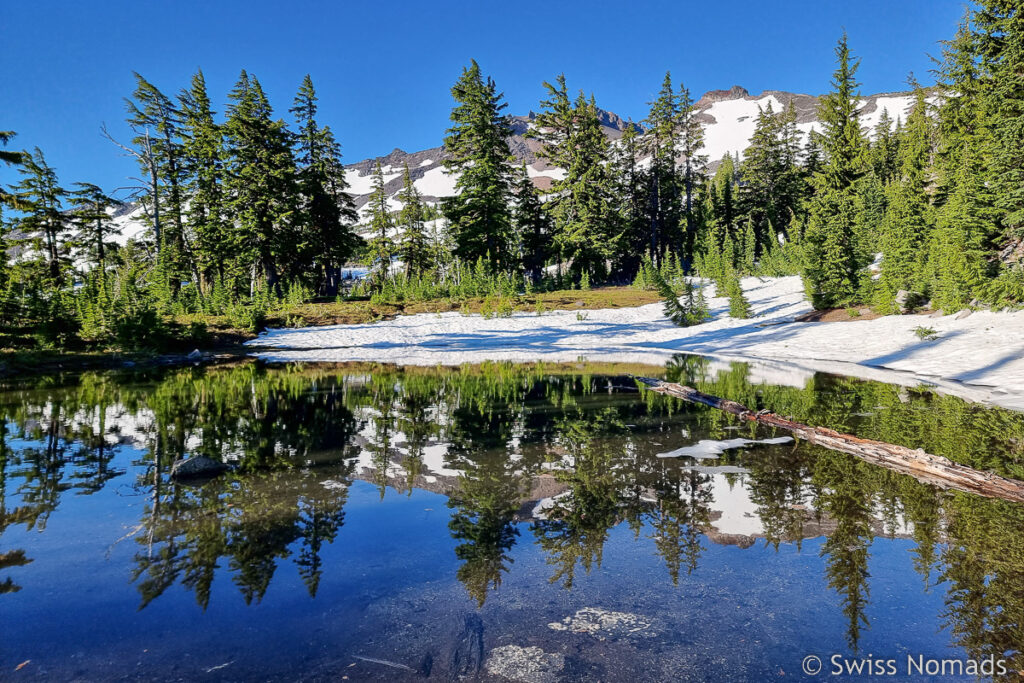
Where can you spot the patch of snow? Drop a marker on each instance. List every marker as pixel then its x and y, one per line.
pixel 735 121
pixel 980 357
pixel 436 183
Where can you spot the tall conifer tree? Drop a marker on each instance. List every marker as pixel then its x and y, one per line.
pixel 830 263
pixel 326 212
pixel 260 181
pixel 477 150
pixel 415 245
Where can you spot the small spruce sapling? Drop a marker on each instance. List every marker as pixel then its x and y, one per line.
pixel 739 307
pixel 691 311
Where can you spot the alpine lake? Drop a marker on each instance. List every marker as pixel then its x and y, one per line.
pixel 495 522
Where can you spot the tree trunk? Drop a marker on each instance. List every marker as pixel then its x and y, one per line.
pixel 926 468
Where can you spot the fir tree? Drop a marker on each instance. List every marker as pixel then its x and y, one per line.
pixel 661 141
pixel 327 212
pixel 773 183
pixel 382 248
pixel 90 207
pixel 691 142
pixel 260 181
pixel 907 224
pixel 157 125
pixel 203 159
pixel 830 264
pixel 585 231
pixel 957 256
pixel 532 227
pixel 477 150
pixel 739 307
pixel 42 222
pixel 414 249
pixel 629 192
pixel 692 310
pixel 999 40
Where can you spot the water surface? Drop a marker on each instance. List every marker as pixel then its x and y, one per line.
pixel 380 523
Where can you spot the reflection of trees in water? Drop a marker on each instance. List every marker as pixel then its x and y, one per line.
pixel 251 522
pixel 984 570
pixel 286 429
pixel 577 522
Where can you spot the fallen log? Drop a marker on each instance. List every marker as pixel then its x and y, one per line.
pixel 925 467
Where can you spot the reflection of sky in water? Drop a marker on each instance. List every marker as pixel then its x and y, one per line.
pixel 389 592
pixel 390 586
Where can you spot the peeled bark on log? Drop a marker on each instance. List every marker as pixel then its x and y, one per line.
pixel 926 468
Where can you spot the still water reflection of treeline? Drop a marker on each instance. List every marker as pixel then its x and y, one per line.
pixel 494 438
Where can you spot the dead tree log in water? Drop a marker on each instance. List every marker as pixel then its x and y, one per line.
pixel 927 468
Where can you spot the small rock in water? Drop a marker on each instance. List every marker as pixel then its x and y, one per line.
pixel 525 664
pixel 603 624
pixel 198 466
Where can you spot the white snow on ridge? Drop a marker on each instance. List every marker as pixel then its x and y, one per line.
pixel 898 107
pixel 980 357
pixel 735 121
pixel 436 183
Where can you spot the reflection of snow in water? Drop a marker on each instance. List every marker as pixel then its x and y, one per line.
pixel 707 448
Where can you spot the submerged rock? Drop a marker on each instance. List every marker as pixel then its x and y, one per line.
pixel 196 467
pixel 525 664
pixel 603 624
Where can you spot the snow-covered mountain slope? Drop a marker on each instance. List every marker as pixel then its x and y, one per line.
pixel 729 118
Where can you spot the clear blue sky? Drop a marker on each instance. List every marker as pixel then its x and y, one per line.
pixel 383 68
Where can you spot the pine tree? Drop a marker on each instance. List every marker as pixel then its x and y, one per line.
pixel 382 247
pixel 532 227
pixel 830 263
pixel 327 212
pixel 477 149
pixel 414 249
pixel 203 160
pixel 260 182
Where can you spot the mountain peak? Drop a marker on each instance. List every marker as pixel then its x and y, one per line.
pixel 736 92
